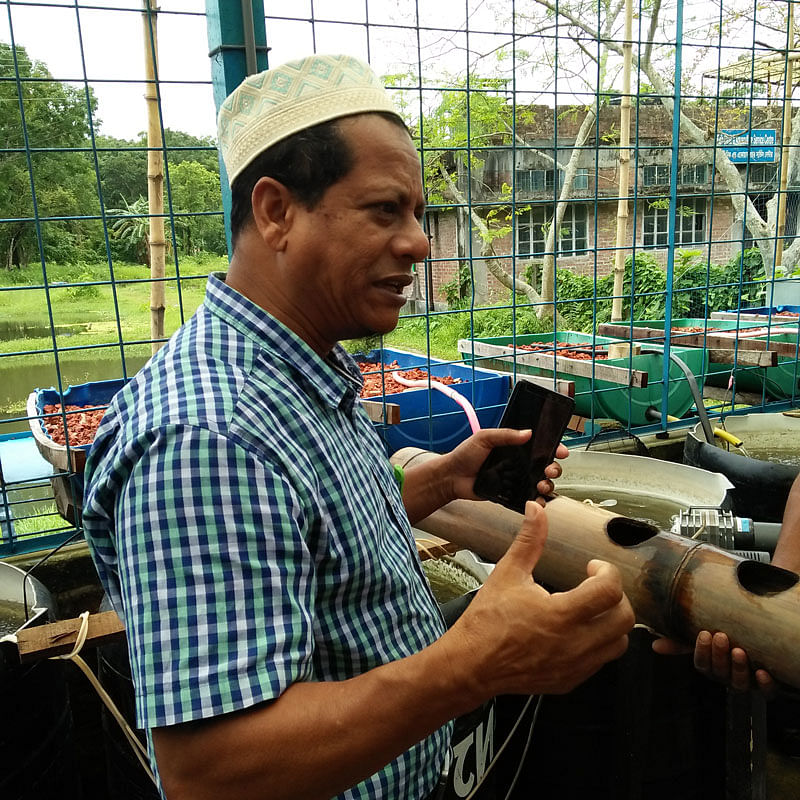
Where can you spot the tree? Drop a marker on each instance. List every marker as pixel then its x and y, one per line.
pixel 55 116
pixel 130 224
pixel 762 227
pixel 195 192
pixel 458 137
pixel 476 114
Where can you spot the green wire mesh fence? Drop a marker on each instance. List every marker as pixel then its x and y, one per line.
pixel 610 185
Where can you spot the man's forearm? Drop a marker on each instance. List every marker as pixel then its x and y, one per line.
pixel 787 551
pixel 317 739
pixel 426 488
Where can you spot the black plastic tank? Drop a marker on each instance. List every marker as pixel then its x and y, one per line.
pixel 760 485
pixel 125 776
pixel 37 740
pixel 645 727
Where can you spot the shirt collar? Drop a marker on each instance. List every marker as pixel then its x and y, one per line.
pixel 335 378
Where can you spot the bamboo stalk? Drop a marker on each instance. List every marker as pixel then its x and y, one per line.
pixel 786 135
pixel 624 166
pixel 155 177
pixel 676 585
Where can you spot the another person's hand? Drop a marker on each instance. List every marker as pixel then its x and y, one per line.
pixel 716 659
pixel 466 459
pixel 517 638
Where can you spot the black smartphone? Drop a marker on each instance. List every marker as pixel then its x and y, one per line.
pixel 510 474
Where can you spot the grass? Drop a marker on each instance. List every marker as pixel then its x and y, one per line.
pixel 47 521
pixel 85 309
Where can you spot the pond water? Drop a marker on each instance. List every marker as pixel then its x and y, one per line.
pixel 790 457
pixel 18 380
pixel 17 330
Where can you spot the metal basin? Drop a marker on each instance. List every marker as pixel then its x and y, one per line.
pixel 642 487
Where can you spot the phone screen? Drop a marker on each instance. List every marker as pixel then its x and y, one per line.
pixel 510 474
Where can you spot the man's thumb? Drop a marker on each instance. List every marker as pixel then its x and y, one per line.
pixel 528 544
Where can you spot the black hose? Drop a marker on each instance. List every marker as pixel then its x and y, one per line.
pixel 698 400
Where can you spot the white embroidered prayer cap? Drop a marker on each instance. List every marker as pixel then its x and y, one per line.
pixel 272 105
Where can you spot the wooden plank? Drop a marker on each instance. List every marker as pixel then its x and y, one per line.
pixel 723 341
pixel 430 546
pixel 561 386
pixel 627 332
pixel 585 369
pixel 743 338
pixel 720 340
pixel 57 638
pixel 375 411
pixel 744 358
pixel 774 318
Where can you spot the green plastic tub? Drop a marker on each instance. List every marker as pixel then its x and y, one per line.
pixel 596 397
pixel 779 382
pixel 710 325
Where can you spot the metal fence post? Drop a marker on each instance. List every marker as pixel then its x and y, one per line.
pixel 237 47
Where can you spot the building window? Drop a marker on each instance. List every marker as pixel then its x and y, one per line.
pixel 694 174
pixel 763 173
pixel 690 222
pixel 655 175
pixel 538 180
pixel 689 175
pixel 581 180
pixel 533 226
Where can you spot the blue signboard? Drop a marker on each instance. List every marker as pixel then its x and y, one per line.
pixel 756 145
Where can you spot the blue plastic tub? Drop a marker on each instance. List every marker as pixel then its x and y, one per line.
pixel 67 487
pixel 765 311
pixel 94 393
pixel 430 419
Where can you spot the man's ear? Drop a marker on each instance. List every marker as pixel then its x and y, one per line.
pixel 273 211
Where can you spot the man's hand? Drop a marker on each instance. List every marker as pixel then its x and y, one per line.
pixel 517 638
pixel 717 660
pixel 466 459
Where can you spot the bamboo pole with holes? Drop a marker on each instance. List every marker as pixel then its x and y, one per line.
pixel 155 176
pixel 624 166
pixel 676 585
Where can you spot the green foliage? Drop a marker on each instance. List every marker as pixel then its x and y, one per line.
pixel 474 113
pixel 130 227
pixel 84 291
pixel 195 189
pixel 63 176
pixel 457 290
pixel 698 289
pixel 56 116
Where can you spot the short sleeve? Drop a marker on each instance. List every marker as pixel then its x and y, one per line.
pixel 215 575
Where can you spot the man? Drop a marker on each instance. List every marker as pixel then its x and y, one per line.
pixel 246 523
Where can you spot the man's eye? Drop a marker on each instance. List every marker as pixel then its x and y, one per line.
pixel 387 208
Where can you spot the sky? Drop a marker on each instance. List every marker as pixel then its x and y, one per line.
pixel 107 38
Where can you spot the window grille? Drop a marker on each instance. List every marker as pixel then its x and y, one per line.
pixel 690 222
pixel 535 223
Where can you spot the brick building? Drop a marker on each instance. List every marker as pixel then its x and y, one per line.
pixel 705 221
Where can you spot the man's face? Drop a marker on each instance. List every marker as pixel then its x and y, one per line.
pixel 353 252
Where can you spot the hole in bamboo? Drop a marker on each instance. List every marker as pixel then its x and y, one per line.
pixel 764 579
pixel 629 532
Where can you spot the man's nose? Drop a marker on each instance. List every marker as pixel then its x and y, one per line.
pixel 412 241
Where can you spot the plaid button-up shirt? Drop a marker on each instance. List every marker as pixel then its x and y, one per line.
pixel 247 526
